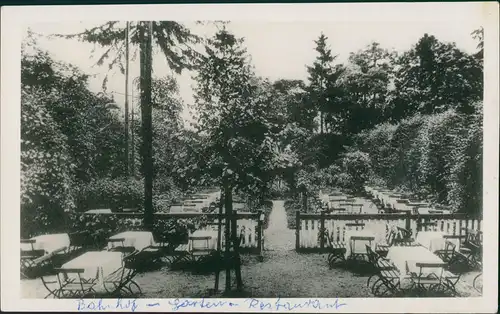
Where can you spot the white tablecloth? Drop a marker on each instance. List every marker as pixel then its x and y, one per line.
pixel 434 240
pixel 96 265
pixel 359 245
pixel 202 244
pixel 410 255
pixel 137 239
pixel 48 242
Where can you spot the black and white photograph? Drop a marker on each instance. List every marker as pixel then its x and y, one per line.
pixel 236 163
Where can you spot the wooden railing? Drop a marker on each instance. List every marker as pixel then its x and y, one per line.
pixel 248 224
pixel 309 226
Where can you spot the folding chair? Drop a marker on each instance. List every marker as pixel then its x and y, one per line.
pixel 448 253
pixel 72 285
pixel 79 242
pixel 118 245
pixel 382 249
pixel 28 258
pixel 357 255
pixel 403 238
pixel 378 262
pixel 337 250
pixel 426 280
pixel 201 249
pixel 450 281
pixel 121 281
pixel 50 283
pixel 471 249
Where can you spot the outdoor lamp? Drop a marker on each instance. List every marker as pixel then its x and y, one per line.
pixel 261 217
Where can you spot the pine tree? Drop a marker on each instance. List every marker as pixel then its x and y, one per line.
pixel 319 74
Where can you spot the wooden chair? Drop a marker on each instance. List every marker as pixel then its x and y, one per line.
pixel 378 262
pixel 198 252
pixel 471 249
pixel 79 242
pixel 121 281
pixel 118 245
pixel 72 285
pixel 403 237
pixel 337 250
pixel 426 280
pixel 29 265
pixel 448 253
pixel 352 243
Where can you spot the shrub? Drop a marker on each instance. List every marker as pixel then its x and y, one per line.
pixel 46 167
pixel 101 227
pixel 115 194
pixel 356 170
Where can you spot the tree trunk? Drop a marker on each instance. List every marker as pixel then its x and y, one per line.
pixel 228 206
pixel 127 157
pixel 147 126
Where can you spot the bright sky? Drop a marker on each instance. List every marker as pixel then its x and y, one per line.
pixel 278 49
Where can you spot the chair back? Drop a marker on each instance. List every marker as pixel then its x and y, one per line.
pixel 30 252
pixel 372 256
pixel 450 247
pixel 118 245
pixel 31 243
pixel 80 238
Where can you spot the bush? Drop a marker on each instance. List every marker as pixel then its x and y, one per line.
pixel 115 194
pixel 436 157
pixel 101 227
pixel 355 170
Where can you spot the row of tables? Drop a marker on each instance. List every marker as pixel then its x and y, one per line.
pixel 99 264
pixel 197 203
pixel 396 201
pixel 404 258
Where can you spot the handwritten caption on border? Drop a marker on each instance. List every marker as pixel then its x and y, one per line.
pixel 134 305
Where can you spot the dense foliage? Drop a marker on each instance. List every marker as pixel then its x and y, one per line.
pixel 437 157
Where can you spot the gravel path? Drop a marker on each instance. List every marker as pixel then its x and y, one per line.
pixel 277 236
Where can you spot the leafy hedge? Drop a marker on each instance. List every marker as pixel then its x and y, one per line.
pixel 437 157
pixel 174 231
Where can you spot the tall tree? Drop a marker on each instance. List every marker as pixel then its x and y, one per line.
pixel 364 85
pixel 433 77
pixel 175 42
pixel 319 74
pixel 237 149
